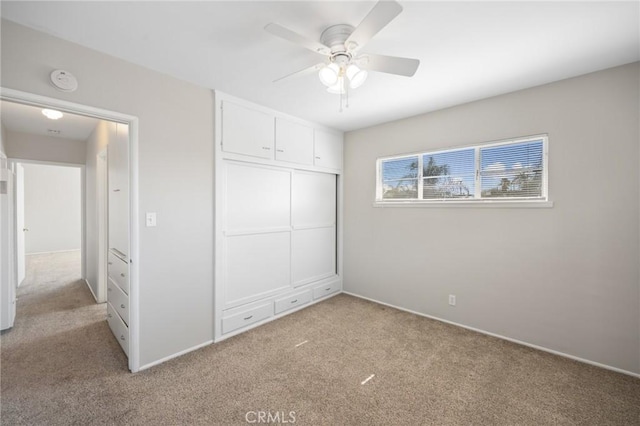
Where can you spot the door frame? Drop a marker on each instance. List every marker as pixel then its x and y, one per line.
pixel 102 210
pixel 133 123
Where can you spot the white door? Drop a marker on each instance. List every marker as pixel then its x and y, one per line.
pixel 101 209
pixel 20 225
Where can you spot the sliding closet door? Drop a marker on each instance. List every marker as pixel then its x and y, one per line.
pixel 257 232
pixel 313 198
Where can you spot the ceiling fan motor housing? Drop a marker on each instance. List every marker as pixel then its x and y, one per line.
pixel 335 37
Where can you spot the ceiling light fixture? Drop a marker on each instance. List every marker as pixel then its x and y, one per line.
pixel 340 78
pixel 52 114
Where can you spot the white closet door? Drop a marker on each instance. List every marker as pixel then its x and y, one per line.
pixel 314 199
pixel 258 198
pixel 257 265
pixel 313 254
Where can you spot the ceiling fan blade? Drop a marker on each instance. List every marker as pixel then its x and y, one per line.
pixel 304 71
pixel 378 18
pixel 292 36
pixel 389 64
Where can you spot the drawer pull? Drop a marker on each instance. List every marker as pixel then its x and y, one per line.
pixel 122 337
pixel 110 316
pixel 122 306
pixel 327 289
pixel 116 190
pixel 248 318
pixel 317 158
pixel 294 301
pixel 280 150
pixel 122 274
pixel 266 148
pixel 109 263
pixel 109 289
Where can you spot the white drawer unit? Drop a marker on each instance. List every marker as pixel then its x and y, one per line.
pixel 119 300
pixel 325 289
pixel 292 301
pixel 118 271
pixel 119 328
pixel 244 318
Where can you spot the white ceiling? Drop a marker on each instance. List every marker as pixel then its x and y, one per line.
pixel 468 50
pixel 29 119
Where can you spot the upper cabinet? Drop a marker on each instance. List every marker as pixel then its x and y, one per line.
pixel 328 150
pixel 273 138
pixel 294 142
pixel 246 131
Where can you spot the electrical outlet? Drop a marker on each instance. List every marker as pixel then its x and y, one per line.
pixel 452 299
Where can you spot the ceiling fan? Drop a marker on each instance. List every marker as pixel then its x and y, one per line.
pixel 343 67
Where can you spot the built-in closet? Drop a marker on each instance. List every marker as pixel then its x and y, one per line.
pixel 118 283
pixel 278 211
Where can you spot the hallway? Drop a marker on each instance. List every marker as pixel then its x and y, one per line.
pixel 60 336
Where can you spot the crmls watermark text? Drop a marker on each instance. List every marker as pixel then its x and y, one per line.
pixel 270 417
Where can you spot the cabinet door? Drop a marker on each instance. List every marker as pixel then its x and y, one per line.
pixel 118 165
pixel 328 150
pixel 247 131
pixel 294 142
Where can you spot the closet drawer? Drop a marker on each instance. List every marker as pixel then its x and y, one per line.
pixel 119 300
pixel 325 290
pixel 118 328
pixel 118 271
pixel 250 316
pixel 292 301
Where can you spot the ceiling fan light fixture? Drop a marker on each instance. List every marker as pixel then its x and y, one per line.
pixel 329 74
pixel 338 87
pixel 356 76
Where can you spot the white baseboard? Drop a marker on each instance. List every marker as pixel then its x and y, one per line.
pixel 177 354
pixel 90 289
pixel 488 333
pixel 51 252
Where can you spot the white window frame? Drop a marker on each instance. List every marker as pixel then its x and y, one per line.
pixel 476 200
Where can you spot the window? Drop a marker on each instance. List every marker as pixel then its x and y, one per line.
pixel 507 171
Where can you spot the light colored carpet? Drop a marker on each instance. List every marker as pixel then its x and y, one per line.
pixel 60 365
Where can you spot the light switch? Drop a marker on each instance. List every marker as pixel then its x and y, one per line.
pixel 151 219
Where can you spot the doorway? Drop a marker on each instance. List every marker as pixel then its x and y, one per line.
pixel 94 214
pixel 49 218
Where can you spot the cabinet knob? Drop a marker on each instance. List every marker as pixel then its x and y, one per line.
pixel 109 289
pixel 122 305
pixel 122 274
pixel 110 316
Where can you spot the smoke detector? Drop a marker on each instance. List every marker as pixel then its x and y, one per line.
pixel 64 81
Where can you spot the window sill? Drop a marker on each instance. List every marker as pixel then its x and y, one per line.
pixel 496 204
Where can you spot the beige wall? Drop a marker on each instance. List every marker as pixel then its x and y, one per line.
pixel 52 208
pixel 565 278
pixel 175 176
pixel 25 146
pixel 3 137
